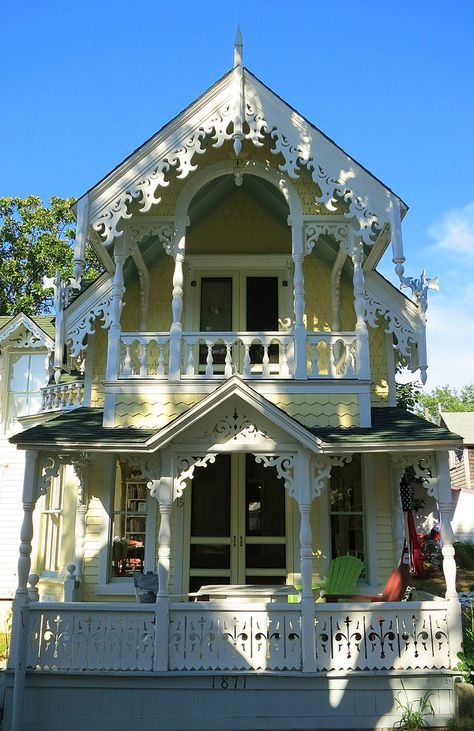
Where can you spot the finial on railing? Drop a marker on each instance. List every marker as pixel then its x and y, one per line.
pixel 33 593
pixel 238 48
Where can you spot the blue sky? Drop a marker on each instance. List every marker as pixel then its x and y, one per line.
pixel 85 83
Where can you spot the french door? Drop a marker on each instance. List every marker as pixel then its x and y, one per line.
pixel 237 520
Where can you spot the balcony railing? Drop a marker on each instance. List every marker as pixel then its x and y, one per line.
pixel 208 636
pixel 62 396
pixel 206 355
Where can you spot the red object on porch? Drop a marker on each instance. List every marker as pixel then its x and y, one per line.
pixel 393 591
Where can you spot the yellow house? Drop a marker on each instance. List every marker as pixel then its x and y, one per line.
pixel 235 428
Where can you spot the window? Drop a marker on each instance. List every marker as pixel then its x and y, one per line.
pixel 27 376
pixel 128 527
pixel 346 510
pixel 51 525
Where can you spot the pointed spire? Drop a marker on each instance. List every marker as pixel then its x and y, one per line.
pixel 238 48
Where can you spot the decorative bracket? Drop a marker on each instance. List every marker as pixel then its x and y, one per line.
pixel 186 467
pixel 285 467
pixel 149 467
pixel 321 470
pixel 423 466
pixel 50 467
pixel 313 231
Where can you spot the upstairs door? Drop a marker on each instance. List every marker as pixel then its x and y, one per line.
pixel 237 520
pixel 238 303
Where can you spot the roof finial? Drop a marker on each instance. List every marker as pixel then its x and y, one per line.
pixel 238 48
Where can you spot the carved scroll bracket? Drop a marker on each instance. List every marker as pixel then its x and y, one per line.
pixel 185 471
pixel 423 466
pixel 321 467
pixel 313 231
pixel 149 467
pixel 285 467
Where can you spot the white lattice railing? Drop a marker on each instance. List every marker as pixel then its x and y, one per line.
pixel 397 635
pixel 91 637
pixel 225 639
pixel 331 355
pixel 208 636
pixel 62 396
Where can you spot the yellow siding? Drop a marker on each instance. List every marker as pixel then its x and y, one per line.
pixel 378 366
pixel 383 527
pixel 160 295
pixel 319 409
pixel 134 410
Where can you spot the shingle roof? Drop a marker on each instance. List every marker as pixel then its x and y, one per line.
pixel 82 428
pixel 461 422
pixel 389 424
pixel 45 322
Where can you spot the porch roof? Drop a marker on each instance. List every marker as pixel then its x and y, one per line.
pixel 82 429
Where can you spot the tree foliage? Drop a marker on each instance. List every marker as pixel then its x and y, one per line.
pixel 35 241
pixel 443 398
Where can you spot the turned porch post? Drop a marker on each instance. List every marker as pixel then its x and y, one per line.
pixel 297 253
pixel 174 372
pixel 163 490
pixel 304 497
pixel 449 564
pixel 113 343
pixel 20 628
pixel 357 255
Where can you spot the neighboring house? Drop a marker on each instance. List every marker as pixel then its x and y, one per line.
pixel 461 464
pixel 236 425
pixel 26 346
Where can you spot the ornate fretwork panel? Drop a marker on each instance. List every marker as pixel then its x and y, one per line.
pixel 235 426
pixel 297 146
pixel 80 320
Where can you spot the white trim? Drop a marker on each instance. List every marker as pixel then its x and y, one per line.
pixel 365 414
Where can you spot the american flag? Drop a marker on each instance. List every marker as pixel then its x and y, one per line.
pixel 406 495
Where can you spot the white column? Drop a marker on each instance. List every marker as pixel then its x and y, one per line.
pixel 81 237
pixel 113 345
pixel 20 628
pixel 176 327
pixel 359 307
pixel 447 538
pixel 81 471
pixel 163 489
pixel 299 329
pixel 303 493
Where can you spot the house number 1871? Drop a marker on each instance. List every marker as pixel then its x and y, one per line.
pixel 228 682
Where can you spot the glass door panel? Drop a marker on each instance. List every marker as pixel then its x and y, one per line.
pixel 216 315
pixel 262 313
pixel 210 539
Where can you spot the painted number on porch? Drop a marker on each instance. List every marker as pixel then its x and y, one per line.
pixel 229 682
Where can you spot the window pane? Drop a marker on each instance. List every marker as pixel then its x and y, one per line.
pixel 264 500
pixel 129 528
pixel 346 487
pixel 38 376
pixel 265 556
pixel 210 499
pixel 347 536
pixel 210 556
pixel 19 365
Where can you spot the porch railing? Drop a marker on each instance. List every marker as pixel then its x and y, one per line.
pixel 254 355
pixel 207 637
pixel 62 396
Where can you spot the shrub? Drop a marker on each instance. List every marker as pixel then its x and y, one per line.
pixel 464 554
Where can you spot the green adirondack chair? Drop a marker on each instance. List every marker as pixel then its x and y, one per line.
pixel 341 579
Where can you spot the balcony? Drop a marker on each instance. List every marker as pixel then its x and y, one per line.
pixel 219 355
